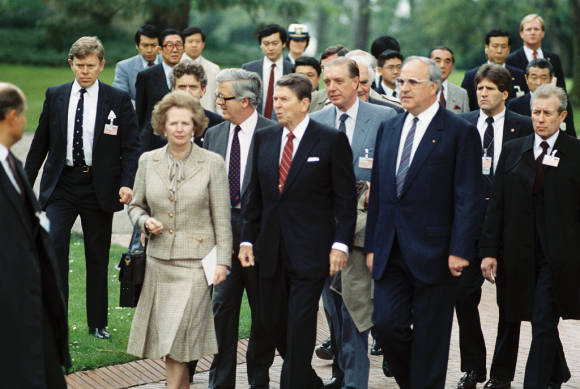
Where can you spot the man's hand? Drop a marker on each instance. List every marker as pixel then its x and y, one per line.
pixel 370 260
pixel 154 226
pixel 367 195
pixel 489 268
pixel 143 239
pixel 337 261
pixel 456 265
pixel 221 272
pixel 246 256
pixel 125 195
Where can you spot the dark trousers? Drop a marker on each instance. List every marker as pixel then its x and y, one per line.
pixel 330 300
pixel 546 361
pixel 74 196
pixel 226 302
pixel 288 309
pixel 471 341
pixel 417 356
pixel 53 375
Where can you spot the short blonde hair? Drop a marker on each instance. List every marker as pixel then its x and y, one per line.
pixel 180 100
pixel 531 18
pixel 87 45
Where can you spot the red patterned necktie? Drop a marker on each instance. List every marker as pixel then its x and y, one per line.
pixel 442 97
pixel 270 94
pixel 285 162
pixel 535 54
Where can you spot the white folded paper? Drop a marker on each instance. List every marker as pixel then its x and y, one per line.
pixel 209 263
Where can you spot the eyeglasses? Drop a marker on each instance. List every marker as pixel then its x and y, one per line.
pixel 413 82
pixel 222 98
pixel 172 46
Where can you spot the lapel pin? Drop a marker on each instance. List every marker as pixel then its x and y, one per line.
pixel 434 141
pixel 513 130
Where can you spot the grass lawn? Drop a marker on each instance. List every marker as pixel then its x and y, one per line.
pixel 88 352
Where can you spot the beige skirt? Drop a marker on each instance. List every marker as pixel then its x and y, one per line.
pixel 174 315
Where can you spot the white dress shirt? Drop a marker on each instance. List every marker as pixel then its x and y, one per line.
pixel 4 159
pixel 278 73
pixel 389 92
pixel 425 118
pixel 245 137
pixel 551 141
pixel 91 98
pixel 167 70
pixel 498 121
pixel 530 53
pixel 350 122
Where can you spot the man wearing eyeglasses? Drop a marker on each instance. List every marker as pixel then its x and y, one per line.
pixel 239 93
pixel 272 67
pixel 422 223
pixel 154 83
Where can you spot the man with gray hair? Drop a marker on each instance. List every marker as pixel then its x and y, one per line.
pixel 530 231
pixel 238 94
pixel 422 222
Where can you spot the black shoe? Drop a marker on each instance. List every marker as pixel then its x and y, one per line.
pixel 554 385
pixel 334 383
pixel 100 333
pixel 376 349
pixel 494 383
pixel 470 380
pixel 324 351
pixel 386 368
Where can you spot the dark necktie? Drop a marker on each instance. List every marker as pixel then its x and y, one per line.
pixel 78 152
pixel 150 63
pixel 15 172
pixel 540 167
pixel 342 125
pixel 395 94
pixel 285 162
pixel 488 136
pixel 270 94
pixel 442 97
pixel 234 169
pixel 406 158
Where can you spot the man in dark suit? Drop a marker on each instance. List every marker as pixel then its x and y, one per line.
pixel 421 226
pixel 88 133
pixel 35 326
pixel 239 92
pixel 390 63
pixel 272 67
pixel 529 235
pixel 532 31
pixel 154 83
pixel 497 48
pixel 186 76
pixel 147 43
pixel 496 125
pixel 538 72
pixel 299 217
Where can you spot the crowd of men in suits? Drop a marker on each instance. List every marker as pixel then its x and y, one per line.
pixel 380 193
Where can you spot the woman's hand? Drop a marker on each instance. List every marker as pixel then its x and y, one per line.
pixel 221 272
pixel 154 226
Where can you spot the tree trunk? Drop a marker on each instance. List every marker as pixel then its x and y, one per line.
pixel 574 94
pixel 361 36
pixel 321 27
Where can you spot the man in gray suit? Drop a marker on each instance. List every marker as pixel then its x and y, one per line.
pixel 239 93
pixel 147 43
pixel 452 97
pixel 349 315
pixel 272 67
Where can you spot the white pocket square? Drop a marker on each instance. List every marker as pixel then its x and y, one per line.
pixel 313 159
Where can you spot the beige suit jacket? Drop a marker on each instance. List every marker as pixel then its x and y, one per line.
pixel 197 218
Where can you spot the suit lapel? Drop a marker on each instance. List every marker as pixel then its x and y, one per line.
pixel 103 106
pixel 193 164
pixel 510 131
pixel 361 128
pixel 392 153
pixel 261 123
pixel 222 139
pixel 309 140
pixel 272 159
pixel 16 199
pixel 62 108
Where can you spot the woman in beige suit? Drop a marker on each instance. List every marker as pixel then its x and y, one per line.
pixel 181 200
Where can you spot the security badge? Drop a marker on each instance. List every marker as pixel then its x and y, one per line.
pixel 365 162
pixel 485 164
pixel 551 160
pixel 110 128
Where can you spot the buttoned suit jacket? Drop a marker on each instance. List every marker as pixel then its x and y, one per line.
pixel 126 74
pixel 196 218
pixel 368 120
pixel 114 156
pixel 509 234
pixel 150 87
pixel 519 60
pixel 317 205
pixel 518 80
pixel 216 140
pixel 257 67
pixel 521 105
pixel 29 284
pixel 438 211
pixel 457 99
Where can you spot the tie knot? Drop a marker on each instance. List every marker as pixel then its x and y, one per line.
pixel 291 136
pixel 415 120
pixel 237 129
pixel 544 145
pixel 489 120
pixel 273 66
pixel 82 91
pixel 150 63
pixel 343 117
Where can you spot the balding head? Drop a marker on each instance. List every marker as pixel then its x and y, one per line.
pixel 12 114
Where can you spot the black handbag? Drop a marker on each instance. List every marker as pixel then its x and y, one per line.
pixel 132 271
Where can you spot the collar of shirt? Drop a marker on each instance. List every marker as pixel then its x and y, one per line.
pixel 350 122
pixel 3 153
pixel 481 121
pixel 248 125
pixel 167 70
pixel 530 53
pixel 493 63
pixel 186 57
pixel 551 141
pixel 425 118
pixel 498 124
pixel 145 63
pixel 279 63
pixel 92 91
pixel 389 91
pixel 298 132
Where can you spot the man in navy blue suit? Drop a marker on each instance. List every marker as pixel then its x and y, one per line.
pixel 422 223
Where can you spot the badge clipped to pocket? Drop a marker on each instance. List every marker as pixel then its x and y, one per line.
pixel 365 162
pixel 551 160
pixel 110 128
